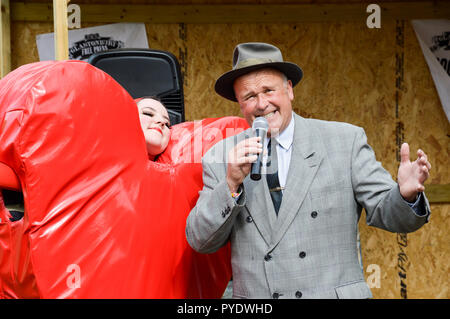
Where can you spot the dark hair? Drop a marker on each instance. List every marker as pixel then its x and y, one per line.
pixel 153 97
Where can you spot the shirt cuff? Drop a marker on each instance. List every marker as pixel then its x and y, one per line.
pixel 237 194
pixel 417 206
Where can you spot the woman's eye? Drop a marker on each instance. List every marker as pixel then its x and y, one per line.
pixel 148 114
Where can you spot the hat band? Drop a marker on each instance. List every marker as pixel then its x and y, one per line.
pixel 251 62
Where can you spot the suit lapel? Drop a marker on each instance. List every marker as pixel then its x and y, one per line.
pixel 305 161
pixel 260 206
pixel 258 201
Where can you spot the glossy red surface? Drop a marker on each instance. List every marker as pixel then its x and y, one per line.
pixel 101 220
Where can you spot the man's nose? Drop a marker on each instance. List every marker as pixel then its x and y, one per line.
pixel 261 101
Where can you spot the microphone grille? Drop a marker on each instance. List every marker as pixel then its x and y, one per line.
pixel 260 123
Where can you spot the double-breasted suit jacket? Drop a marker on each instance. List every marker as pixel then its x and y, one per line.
pixel 311 249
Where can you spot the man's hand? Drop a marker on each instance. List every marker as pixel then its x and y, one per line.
pixel 240 159
pixel 412 175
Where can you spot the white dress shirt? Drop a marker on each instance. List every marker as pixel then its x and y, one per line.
pixel 284 151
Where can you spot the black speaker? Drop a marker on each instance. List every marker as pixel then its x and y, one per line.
pixel 144 72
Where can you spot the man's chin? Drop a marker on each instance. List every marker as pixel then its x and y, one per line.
pixel 273 132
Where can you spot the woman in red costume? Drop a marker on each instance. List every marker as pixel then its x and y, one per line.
pixel 101 220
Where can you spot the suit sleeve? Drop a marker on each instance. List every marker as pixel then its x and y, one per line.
pixel 379 194
pixel 211 221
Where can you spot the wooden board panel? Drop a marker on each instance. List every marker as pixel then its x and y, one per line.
pixel 5 38
pixel 235 13
pixel 350 75
pixel 60 29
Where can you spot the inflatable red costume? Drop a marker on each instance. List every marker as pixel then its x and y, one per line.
pixel 101 220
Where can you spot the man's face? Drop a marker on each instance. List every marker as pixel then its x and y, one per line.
pixel 267 93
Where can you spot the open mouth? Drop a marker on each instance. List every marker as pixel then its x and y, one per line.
pixel 269 115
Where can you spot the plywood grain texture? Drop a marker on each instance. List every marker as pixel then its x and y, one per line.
pixel 237 12
pixel 350 75
pixel 5 38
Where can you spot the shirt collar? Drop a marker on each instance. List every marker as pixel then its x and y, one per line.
pixel 286 137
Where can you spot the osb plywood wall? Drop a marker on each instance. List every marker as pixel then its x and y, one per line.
pixel 374 78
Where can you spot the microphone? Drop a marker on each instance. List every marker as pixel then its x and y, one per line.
pixel 259 127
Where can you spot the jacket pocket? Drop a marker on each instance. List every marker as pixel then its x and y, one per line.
pixel 353 290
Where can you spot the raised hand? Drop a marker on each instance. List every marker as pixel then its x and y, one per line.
pixel 240 159
pixel 412 175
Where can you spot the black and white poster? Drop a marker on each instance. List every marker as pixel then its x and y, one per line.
pixel 434 39
pixel 87 41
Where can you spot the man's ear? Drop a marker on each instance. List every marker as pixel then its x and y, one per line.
pixel 290 90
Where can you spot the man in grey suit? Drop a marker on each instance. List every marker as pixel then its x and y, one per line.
pixel 294 233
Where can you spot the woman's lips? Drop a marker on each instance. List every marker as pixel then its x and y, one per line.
pixel 157 129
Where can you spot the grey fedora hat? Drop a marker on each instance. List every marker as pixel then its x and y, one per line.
pixel 251 56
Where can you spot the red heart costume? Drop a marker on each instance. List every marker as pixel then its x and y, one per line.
pixel 101 220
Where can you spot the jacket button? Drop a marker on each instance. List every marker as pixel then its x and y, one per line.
pixel 314 214
pixel 302 254
pixel 249 219
pixel 276 295
pixel 267 257
pixel 298 294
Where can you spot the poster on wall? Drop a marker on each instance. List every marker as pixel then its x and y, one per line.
pixel 87 41
pixel 434 39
